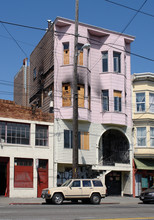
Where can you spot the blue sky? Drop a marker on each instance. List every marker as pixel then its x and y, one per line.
pixel 98 13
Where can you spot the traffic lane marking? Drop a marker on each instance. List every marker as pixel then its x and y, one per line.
pixel 141 218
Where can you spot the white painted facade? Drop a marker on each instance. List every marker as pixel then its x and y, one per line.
pixel 31 151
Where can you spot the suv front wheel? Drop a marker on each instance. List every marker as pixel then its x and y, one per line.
pixel 57 198
pixel 95 199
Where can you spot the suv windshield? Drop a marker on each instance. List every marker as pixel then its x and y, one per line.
pixel 66 183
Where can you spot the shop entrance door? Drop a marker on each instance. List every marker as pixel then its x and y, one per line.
pixel 42 176
pixel 113 183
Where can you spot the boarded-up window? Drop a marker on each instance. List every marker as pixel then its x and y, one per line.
pixel 66 97
pixel 23 173
pixel 80 56
pixel 84 140
pixel 66 53
pixel 81 96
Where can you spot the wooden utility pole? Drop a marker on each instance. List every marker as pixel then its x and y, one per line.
pixel 75 96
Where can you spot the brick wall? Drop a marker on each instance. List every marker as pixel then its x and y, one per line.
pixel 8 109
pixel 21 94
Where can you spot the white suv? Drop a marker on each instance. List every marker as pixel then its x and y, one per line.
pixel 87 190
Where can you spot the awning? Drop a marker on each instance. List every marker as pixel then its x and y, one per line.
pixel 144 164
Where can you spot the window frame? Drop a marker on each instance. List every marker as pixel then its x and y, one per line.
pixel 41 130
pixel 118 99
pixel 151 137
pixel 117 58
pixel 81 95
pixel 16 133
pixel 141 102
pixel 83 140
pixel 34 73
pixel 66 51
pixel 66 95
pixel 105 100
pixel 151 104
pixel 141 137
pixel 104 61
pixel 80 54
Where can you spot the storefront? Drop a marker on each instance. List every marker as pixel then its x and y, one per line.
pixel 143 175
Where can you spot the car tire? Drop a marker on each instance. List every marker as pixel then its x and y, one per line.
pixel 95 199
pixel 57 198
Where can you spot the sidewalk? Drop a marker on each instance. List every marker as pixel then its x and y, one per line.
pixel 39 201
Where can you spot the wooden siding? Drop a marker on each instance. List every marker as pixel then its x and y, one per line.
pixel 42 58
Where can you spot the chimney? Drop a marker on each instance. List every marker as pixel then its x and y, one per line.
pixel 49 23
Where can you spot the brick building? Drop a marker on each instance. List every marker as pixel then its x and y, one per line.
pixel 22 85
pixel 26 150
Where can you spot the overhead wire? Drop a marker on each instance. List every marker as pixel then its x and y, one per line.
pixel 133 9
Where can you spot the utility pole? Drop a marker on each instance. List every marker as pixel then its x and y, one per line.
pixel 75 96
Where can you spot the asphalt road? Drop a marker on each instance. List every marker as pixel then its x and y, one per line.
pixel 77 212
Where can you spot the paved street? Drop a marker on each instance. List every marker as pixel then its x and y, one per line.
pixel 117 208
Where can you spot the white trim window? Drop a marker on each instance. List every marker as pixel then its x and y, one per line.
pixel 117 62
pixel 140 102
pixel 151 102
pixel 141 136
pixel 105 61
pixel 117 101
pixel 41 138
pixel 152 136
pixel 105 100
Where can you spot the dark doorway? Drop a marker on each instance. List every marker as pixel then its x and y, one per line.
pixel 4 176
pixel 115 148
pixel 113 183
pixel 42 176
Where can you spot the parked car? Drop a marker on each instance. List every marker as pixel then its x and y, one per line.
pixel 147 195
pixel 87 190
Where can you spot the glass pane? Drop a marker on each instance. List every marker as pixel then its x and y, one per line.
pixel 105 61
pixel 86 183
pixel 41 135
pixel 140 97
pixel 66 138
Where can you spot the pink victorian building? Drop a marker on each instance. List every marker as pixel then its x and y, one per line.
pixel 104 101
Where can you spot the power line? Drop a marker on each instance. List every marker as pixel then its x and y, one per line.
pixel 133 9
pixel 23 26
pixel 15 40
pixel 130 21
pixel 26 26
pixel 134 16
